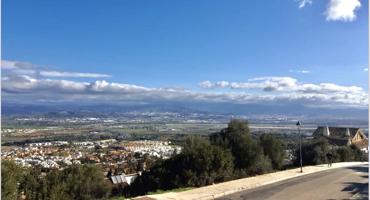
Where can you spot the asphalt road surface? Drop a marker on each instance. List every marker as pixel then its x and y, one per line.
pixel 340 183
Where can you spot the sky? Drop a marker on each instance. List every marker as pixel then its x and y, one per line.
pixel 310 52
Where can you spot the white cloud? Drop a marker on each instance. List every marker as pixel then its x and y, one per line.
pixel 286 84
pixel 323 88
pixel 264 83
pixel 289 88
pixel 18 67
pixel 282 90
pixel 268 83
pixel 222 84
pixel 206 84
pixel 342 10
pixel 72 74
pixel 337 10
pixel 300 71
pixel 6 64
pixel 303 3
pixel 27 84
pixel 366 69
pixel 32 87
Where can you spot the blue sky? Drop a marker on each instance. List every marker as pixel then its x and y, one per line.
pixel 182 44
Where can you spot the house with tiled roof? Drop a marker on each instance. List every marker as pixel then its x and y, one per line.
pixel 342 136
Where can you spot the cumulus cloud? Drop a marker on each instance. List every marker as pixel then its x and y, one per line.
pixel 33 87
pixel 337 10
pixel 26 84
pixel 6 64
pixel 222 84
pixel 18 67
pixel 279 89
pixel 284 84
pixel 243 85
pixel 264 83
pixel 206 84
pixel 342 10
pixel 303 3
pixel 72 74
pixel 324 88
pixel 289 88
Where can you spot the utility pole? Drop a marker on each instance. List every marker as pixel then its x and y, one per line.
pixel 300 143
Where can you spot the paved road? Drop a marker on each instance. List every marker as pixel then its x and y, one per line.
pixel 341 183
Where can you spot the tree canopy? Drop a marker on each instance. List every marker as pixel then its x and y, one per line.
pixel 81 182
pixel 10 177
pixel 273 148
pixel 316 152
pixel 248 155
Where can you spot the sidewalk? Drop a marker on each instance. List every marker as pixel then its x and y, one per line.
pixel 222 189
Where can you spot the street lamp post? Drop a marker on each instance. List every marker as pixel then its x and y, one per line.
pixel 300 144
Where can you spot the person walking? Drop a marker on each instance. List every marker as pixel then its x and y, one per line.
pixel 329 157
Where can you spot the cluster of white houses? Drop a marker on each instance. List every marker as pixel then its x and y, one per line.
pixel 41 153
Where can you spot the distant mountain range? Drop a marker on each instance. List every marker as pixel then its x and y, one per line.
pixel 255 110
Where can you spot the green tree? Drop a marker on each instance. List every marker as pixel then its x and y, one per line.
pixel 59 192
pixel 85 182
pixel 10 178
pixel 198 164
pixel 248 155
pixel 32 184
pixel 273 148
pixel 350 153
pixel 344 154
pixel 313 152
pixel 358 155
